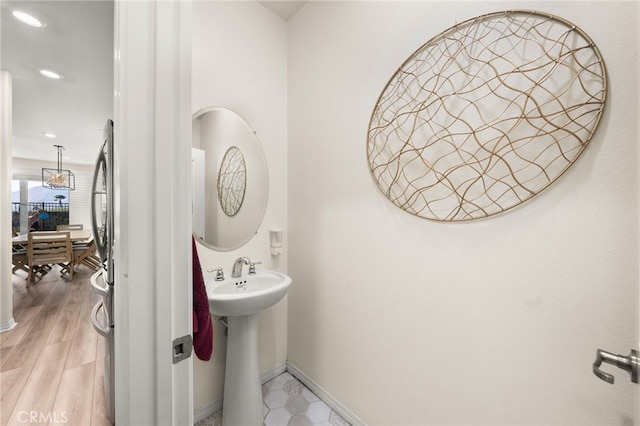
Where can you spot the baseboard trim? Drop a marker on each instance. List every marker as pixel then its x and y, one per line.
pixel 8 326
pixel 325 396
pixel 273 373
pixel 205 411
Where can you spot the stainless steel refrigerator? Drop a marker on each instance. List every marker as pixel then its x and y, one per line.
pixel 102 205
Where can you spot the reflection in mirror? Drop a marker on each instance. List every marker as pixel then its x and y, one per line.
pixel 230 179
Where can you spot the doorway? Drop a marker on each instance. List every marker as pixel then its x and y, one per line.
pixel 75 41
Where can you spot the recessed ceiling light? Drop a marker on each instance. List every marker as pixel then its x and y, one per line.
pixel 27 19
pixel 51 74
pixel 50 135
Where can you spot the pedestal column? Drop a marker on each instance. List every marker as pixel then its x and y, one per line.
pixel 242 404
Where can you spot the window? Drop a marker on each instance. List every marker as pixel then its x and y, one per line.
pixel 43 210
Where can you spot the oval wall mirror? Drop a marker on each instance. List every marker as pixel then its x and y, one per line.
pixel 230 179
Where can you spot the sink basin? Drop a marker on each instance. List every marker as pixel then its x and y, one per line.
pixel 248 294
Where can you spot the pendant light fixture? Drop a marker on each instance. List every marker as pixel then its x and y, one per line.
pixel 58 178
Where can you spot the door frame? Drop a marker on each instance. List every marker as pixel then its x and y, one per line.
pixel 152 244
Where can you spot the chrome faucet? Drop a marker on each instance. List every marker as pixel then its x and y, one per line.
pixel 236 272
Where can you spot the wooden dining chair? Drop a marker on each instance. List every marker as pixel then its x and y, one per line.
pixel 19 260
pixel 49 248
pixel 85 254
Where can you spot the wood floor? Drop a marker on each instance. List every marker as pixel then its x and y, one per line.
pixel 52 362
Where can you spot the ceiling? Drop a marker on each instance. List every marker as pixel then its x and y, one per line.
pixel 284 9
pixel 76 41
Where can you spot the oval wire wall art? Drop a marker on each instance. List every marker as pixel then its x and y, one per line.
pixel 232 181
pixel 486 115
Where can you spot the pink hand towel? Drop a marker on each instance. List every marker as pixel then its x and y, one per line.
pixel 202 326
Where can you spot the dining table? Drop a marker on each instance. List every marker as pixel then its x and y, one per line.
pixel 76 236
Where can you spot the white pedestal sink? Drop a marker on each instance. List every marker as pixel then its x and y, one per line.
pixel 240 300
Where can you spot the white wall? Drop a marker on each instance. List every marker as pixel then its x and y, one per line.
pixel 410 321
pixel 240 63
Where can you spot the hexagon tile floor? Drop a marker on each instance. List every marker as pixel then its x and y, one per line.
pixel 287 402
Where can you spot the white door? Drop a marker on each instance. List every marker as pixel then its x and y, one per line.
pixel 615 368
pixel 152 247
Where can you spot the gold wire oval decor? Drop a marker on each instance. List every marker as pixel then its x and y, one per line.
pixel 232 181
pixel 486 115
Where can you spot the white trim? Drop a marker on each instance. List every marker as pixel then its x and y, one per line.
pixel 325 396
pixel 273 373
pixel 205 411
pixel 8 326
pixel 6 286
pixel 152 245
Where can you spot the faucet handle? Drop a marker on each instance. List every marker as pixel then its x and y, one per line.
pixel 252 267
pixel 219 273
